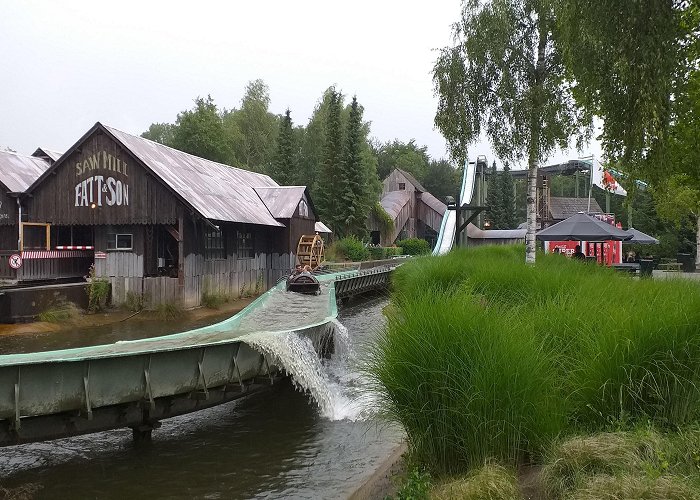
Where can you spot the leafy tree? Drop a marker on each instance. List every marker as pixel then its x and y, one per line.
pixel 494 198
pixel 253 129
pixel 623 56
pixel 510 218
pixel 504 76
pixel 284 165
pixel 404 155
pixel 442 179
pixel 164 133
pixel 200 131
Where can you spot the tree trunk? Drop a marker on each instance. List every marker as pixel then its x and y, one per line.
pixel 697 247
pixel 534 147
pixel 530 247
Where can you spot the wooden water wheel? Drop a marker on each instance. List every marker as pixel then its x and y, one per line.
pixel 310 250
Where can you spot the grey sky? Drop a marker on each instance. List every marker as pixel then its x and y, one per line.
pixel 68 64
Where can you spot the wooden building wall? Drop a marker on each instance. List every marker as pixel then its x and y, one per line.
pixel 122 268
pixel 126 193
pixel 391 183
pixel 233 274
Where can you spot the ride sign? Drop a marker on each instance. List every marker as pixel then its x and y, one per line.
pixel 15 261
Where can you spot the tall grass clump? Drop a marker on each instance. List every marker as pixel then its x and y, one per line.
pixel 485 357
pixel 463 383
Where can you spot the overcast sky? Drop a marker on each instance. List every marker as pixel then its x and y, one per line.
pixel 67 64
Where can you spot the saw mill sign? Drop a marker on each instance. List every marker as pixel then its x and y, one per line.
pixel 105 183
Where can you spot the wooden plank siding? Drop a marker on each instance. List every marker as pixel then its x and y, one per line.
pixel 8 209
pixel 54 199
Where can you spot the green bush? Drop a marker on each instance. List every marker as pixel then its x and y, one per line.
pixel 350 248
pixel 58 313
pixel 135 301
pixel 97 291
pixel 414 246
pixel 380 253
pixel 485 357
pixel 169 311
pixel 214 300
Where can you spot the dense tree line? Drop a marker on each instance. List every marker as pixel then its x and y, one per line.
pixel 332 154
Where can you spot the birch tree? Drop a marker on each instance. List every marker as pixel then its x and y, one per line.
pixel 503 76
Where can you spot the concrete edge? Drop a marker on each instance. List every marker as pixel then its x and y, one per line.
pixel 380 483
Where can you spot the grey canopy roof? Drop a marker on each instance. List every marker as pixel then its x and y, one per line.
pixel 582 227
pixel 641 238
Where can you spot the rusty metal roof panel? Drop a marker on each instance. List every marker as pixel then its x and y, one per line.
pixel 281 201
pixel 215 190
pixel 394 201
pixel 18 172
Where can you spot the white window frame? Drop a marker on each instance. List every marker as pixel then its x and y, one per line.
pixel 117 248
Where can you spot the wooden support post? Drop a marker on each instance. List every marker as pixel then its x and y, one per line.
pixel 181 256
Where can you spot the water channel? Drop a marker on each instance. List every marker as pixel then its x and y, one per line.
pixel 270 445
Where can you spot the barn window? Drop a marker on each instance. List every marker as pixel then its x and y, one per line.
pixel 246 249
pixel 402 186
pixel 214 244
pixel 120 241
pixel 303 209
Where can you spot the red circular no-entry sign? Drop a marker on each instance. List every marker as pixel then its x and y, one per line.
pixel 15 261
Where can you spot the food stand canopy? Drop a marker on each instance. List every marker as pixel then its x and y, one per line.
pixel 582 227
pixel 641 238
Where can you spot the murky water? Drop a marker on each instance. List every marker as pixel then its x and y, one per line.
pixel 270 445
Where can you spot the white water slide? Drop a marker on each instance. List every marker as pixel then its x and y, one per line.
pixel 448 228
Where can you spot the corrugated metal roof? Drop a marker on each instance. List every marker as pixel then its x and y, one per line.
pixel 18 172
pixel 50 153
pixel 562 208
pixel 215 190
pixel 433 202
pixel 320 227
pixel 394 201
pixel 281 201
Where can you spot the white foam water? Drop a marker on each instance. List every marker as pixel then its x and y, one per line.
pixel 331 383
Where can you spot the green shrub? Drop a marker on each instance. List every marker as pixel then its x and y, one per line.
pixel 97 291
pixel 350 248
pixel 415 486
pixel 484 356
pixel 381 253
pixel 414 246
pixel 492 482
pixel 135 301
pixel 58 313
pixel 214 300
pixel 169 311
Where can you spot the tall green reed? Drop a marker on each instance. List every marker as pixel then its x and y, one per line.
pixel 484 356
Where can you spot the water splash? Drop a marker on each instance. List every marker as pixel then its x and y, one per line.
pixel 295 354
pixel 331 383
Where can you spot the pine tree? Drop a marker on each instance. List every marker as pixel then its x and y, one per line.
pixel 284 165
pixel 510 218
pixel 329 189
pixel 356 205
pixel 495 199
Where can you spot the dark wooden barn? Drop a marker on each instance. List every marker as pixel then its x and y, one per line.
pixel 162 223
